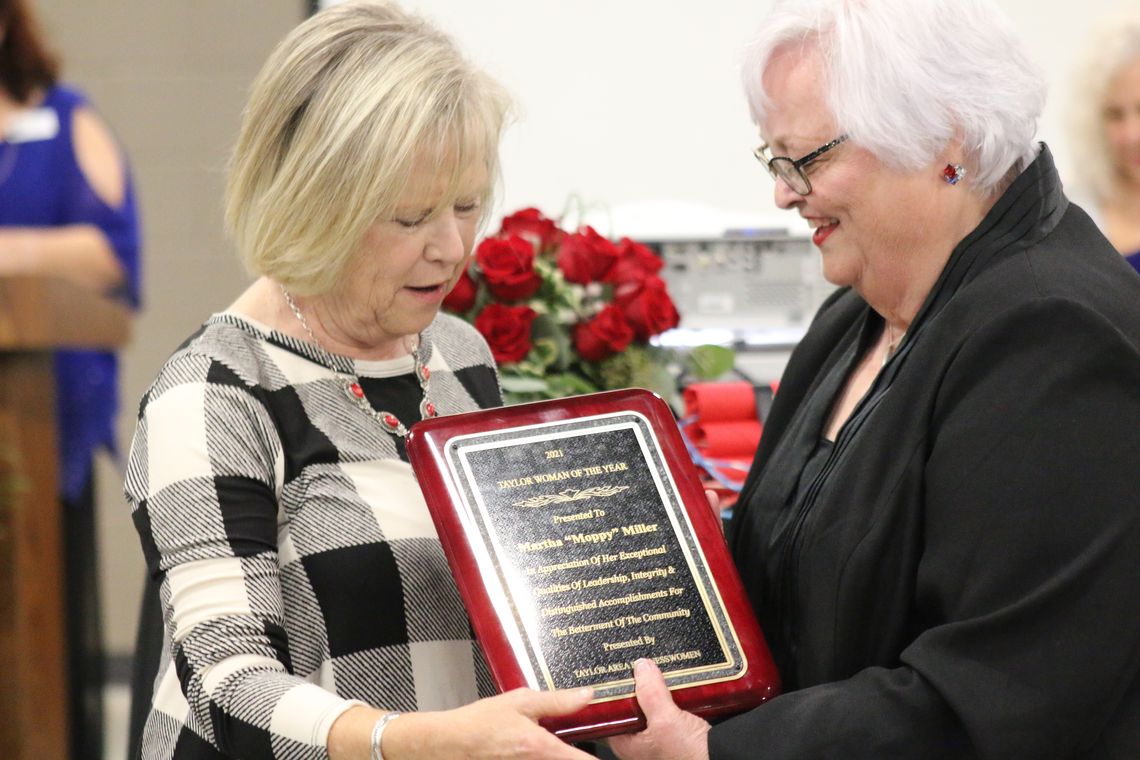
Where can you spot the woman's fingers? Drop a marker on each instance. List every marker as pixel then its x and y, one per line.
pixel 652 693
pixel 714 502
pixel 504 727
pixel 540 704
pixel 714 505
pixel 534 741
pixel 670 732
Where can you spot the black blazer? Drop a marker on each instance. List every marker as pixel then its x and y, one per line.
pixel 963 579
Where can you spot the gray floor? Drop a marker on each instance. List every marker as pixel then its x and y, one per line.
pixel 116 709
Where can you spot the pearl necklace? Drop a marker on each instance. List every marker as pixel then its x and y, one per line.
pixel 351 383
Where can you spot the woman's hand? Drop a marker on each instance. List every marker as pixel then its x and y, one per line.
pixel 503 727
pixel 670 732
pixel 714 505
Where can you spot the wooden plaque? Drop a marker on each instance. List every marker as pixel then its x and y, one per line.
pixel 581 540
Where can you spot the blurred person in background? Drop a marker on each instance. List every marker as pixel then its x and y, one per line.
pixel 309 608
pixel 1105 131
pixel 940 533
pixel 67 210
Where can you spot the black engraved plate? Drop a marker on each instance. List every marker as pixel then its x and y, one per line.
pixel 594 560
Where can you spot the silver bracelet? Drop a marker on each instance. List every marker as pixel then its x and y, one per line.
pixel 378 733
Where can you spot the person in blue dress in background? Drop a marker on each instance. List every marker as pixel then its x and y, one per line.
pixel 1105 126
pixel 67 210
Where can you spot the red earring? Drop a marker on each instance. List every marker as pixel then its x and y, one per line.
pixel 953 173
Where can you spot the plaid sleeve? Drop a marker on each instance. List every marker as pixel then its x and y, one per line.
pixel 203 478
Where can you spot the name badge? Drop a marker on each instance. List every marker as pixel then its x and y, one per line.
pixel 33 125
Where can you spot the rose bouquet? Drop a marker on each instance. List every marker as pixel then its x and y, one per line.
pixel 567 313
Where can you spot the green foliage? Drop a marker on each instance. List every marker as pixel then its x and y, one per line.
pixel 709 362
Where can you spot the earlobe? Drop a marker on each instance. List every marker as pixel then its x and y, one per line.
pixel 953 173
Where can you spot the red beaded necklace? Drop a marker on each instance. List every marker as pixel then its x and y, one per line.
pixel 351 383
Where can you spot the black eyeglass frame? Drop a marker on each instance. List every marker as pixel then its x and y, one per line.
pixel 794 174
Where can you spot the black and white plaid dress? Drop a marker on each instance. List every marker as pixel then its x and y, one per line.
pixel 300 568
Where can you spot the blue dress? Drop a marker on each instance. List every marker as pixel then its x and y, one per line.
pixel 1133 259
pixel 42 185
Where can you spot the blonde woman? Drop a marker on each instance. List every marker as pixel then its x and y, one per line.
pixel 1106 132
pixel 309 609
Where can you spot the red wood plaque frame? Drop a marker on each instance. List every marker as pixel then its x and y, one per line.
pixel 580 538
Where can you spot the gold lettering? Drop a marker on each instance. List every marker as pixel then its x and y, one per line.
pixel 590 515
pixel 601 670
pixel 592 538
pixel 515 483
pixel 573 564
pixel 651 574
pixel 609 646
pixel 607 580
pixel 680 612
pixel 570 609
pixel 639 596
pixel 664 659
pixel 643 553
pixel 550 477
pixel 638 529
pixel 591 627
pixel 537 546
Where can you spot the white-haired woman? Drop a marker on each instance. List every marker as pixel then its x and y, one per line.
pixel 1106 132
pixel 309 609
pixel 940 534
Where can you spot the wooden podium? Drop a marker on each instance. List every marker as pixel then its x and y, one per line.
pixel 37 316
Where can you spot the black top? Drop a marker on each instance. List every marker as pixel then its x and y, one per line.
pixel 959 579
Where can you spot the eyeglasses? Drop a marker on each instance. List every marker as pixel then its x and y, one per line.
pixel 792 171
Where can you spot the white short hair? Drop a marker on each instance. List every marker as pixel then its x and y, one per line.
pixel 1113 45
pixel 905 77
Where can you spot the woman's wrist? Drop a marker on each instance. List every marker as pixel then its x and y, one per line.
pixel 350 736
pixel 378 734
pixel 419 735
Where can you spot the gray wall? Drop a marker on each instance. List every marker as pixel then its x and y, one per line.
pixel 636 106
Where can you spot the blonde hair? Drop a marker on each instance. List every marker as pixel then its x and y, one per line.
pixel 346 108
pixel 1115 43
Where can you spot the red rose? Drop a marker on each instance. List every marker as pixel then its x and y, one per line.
pixel 586 257
pixel 507 330
pixel 462 295
pixel 635 262
pixel 533 226
pixel 648 307
pixel 606 334
pixel 507 265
